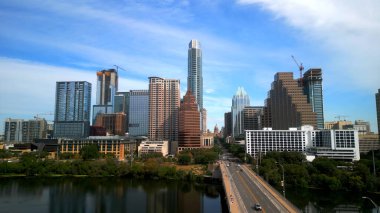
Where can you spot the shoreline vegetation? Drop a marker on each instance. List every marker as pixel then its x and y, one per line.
pixel 198 164
pixel 192 165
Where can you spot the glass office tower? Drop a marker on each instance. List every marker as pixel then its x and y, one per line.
pixel 312 86
pixel 138 112
pixel 239 101
pixel 72 109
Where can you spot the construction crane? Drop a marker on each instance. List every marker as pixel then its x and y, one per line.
pixel 119 67
pixel 300 67
pixel 341 116
pixel 37 116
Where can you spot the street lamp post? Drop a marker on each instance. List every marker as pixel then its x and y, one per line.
pixel 376 206
pixel 283 178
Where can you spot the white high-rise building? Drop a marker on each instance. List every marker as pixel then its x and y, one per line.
pixel 239 101
pixel 194 76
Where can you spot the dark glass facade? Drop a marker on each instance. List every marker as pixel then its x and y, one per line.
pixel 72 109
pixel 312 85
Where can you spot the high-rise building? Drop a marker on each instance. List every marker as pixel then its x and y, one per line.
pixel 106 88
pixel 139 112
pixel 194 75
pixel 122 105
pixel 189 133
pixel 114 123
pixel 164 102
pixel 227 124
pixel 287 105
pixel 239 101
pixel 18 130
pixel 195 79
pixel 72 109
pixel 378 112
pixel 204 120
pixel 312 86
pixel 252 117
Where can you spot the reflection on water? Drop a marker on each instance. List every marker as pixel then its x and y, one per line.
pixel 107 195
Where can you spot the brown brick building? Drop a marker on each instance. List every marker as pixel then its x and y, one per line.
pixel 286 105
pixel 189 133
pixel 113 123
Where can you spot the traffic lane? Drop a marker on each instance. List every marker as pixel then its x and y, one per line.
pixel 248 196
pixel 264 201
pixel 249 191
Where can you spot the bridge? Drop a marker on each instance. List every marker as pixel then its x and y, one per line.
pixel 244 189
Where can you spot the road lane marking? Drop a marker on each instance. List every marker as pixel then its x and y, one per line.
pixel 275 195
pixel 249 190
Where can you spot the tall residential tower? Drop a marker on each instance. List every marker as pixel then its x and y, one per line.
pixel 72 109
pixel 164 102
pixel 106 88
pixel 194 76
pixel 312 87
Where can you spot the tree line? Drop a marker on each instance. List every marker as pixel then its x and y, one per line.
pixel 90 162
pixel 321 173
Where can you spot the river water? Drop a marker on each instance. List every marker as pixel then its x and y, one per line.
pixel 145 196
pixel 108 195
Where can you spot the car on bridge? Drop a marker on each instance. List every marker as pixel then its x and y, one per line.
pixel 257 207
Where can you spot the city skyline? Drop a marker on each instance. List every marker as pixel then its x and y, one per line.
pixel 244 43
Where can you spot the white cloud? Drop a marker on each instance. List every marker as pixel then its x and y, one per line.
pixel 348 31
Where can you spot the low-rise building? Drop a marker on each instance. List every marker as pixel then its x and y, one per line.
pixel 116 145
pixel 207 140
pixel 368 143
pixel 336 144
pixel 147 147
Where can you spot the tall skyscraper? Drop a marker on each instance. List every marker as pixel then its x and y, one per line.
pixel 227 124
pixel 139 112
pixel 189 133
pixel 239 101
pixel 164 102
pixel 18 130
pixel 287 105
pixel 312 86
pixel 378 112
pixel 106 88
pixel 195 79
pixel 194 75
pixel 72 109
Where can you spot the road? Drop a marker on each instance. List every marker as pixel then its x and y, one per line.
pixel 253 190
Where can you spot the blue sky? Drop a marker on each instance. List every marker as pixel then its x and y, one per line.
pixel 244 43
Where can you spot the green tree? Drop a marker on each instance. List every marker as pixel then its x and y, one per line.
pixel 89 152
pixel 184 158
pixel 325 166
pixel 5 154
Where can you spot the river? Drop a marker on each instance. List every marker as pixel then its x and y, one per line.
pixel 108 195
pixel 86 194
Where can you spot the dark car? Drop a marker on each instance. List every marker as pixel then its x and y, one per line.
pixel 257 207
